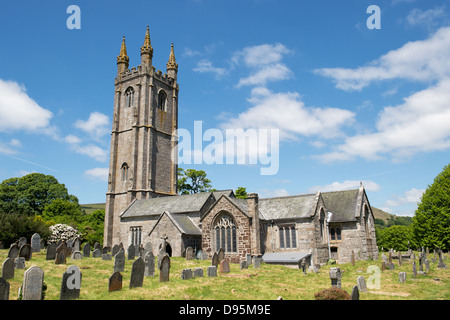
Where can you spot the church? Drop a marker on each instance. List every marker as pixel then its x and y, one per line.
pixel 142 204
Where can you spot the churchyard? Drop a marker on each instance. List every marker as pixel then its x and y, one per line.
pixel 192 280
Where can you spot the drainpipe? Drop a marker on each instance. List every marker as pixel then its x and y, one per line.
pixel 330 214
pixel 273 243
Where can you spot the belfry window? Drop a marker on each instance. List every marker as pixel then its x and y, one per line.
pixel 124 170
pixel 162 97
pixel 225 233
pixel 129 97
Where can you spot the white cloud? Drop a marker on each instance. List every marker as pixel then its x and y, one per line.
pixel 346 185
pixel 268 193
pixel 423 60
pixel 285 111
pixel 98 174
pixel 206 66
pixel 263 54
pixel 408 197
pixel 10 147
pixel 265 74
pixel 20 112
pixel 91 150
pixel 428 19
pixel 97 126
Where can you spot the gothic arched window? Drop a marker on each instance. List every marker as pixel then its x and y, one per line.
pixel 129 97
pixel 162 97
pixel 124 170
pixel 225 233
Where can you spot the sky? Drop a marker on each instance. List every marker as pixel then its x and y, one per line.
pixel 352 93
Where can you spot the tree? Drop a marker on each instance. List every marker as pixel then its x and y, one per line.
pixel 431 221
pixel 241 193
pixel 31 193
pixel 398 237
pixel 193 181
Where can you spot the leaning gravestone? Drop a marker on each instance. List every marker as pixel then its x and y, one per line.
pixel 355 293
pixel 149 260
pixel 61 254
pixel 8 269
pixel 87 250
pixel 51 252
pixel 164 269
pixel 33 280
pixel 115 282
pixel 189 253
pixel 22 241
pixel 115 250
pixel 71 283
pixel 221 254
pixel 119 261
pixel 4 289
pixel 335 276
pixel 225 266
pixel 361 283
pixel 36 243
pixel 13 251
pixel 137 273
pixel 97 253
pixel 25 251
pixel 215 260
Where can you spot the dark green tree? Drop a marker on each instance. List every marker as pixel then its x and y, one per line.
pixel 398 237
pixel 193 181
pixel 431 222
pixel 241 193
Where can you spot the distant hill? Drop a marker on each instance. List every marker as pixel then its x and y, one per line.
pixel 378 213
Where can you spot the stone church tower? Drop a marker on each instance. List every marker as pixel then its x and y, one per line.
pixel 142 139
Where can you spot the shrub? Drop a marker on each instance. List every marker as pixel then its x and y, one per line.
pixel 332 293
pixel 62 231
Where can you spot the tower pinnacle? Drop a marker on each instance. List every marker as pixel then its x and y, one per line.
pixel 172 65
pixel 122 58
pixel 147 50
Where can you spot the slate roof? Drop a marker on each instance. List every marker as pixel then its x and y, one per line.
pixel 182 222
pixel 291 207
pixel 343 204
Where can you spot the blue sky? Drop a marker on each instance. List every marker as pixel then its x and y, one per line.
pixel 351 103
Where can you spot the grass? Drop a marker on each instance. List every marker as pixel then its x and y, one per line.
pixel 266 283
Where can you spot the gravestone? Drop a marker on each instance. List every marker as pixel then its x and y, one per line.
pixel 149 260
pixel 131 252
pixel 137 273
pixel 186 274
pixel 427 265
pixel 198 272
pixel 87 250
pixel 106 250
pixel 441 264
pixel 22 241
pixel 164 269
pixel 77 244
pixel 61 253
pixel 256 263
pixel 391 266
pixel 25 251
pixel 51 252
pixel 402 277
pixel 361 283
pixel 383 266
pixel 211 271
pixel 353 258
pixel 161 254
pixel 97 246
pixel 355 293
pixel 243 265
pixel 76 255
pixel 33 279
pixel 4 289
pixel 189 253
pixel 106 256
pixel 71 283
pixel 36 242
pixel 19 263
pixel 13 251
pixel 8 269
pixel 221 254
pixel 215 260
pixel 414 269
pixel 225 266
pixel 115 282
pixel 115 250
pixel 248 256
pixel 119 261
pixel 97 253
pixel 335 276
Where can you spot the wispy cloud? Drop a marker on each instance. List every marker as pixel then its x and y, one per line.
pixel 346 185
pixel 429 19
pixel 100 174
pixel 97 126
pixel 206 66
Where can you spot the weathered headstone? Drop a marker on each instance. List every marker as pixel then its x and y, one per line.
pixel 106 250
pixel 36 243
pixel 353 258
pixel 32 284
pixel 198 272
pixel 186 274
pixel 189 253
pixel 4 289
pixel 335 276
pixel 402 277
pixel 160 255
pixel 13 251
pixel 87 250
pixel 383 266
pixel 71 283
pixel 256 263
pixel 164 269
pixel 61 253
pixel 391 266
pixel 225 266
pixel 22 241
pixel 149 260
pixel 248 257
pixel 355 293
pixel 215 260
pixel 97 246
pixel 211 271
pixel 25 251
pixel 51 252
pixel 115 249
pixel 8 269
pixel 399 258
pixel 131 252
pixel 221 254
pixel 243 265
pixel 19 263
pixel 441 264
pixel 119 261
pixel 115 282
pixel 97 253
pixel 414 269
pixel 76 255
pixel 427 265
pixel 106 256
pixel 137 273
pixel 361 283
